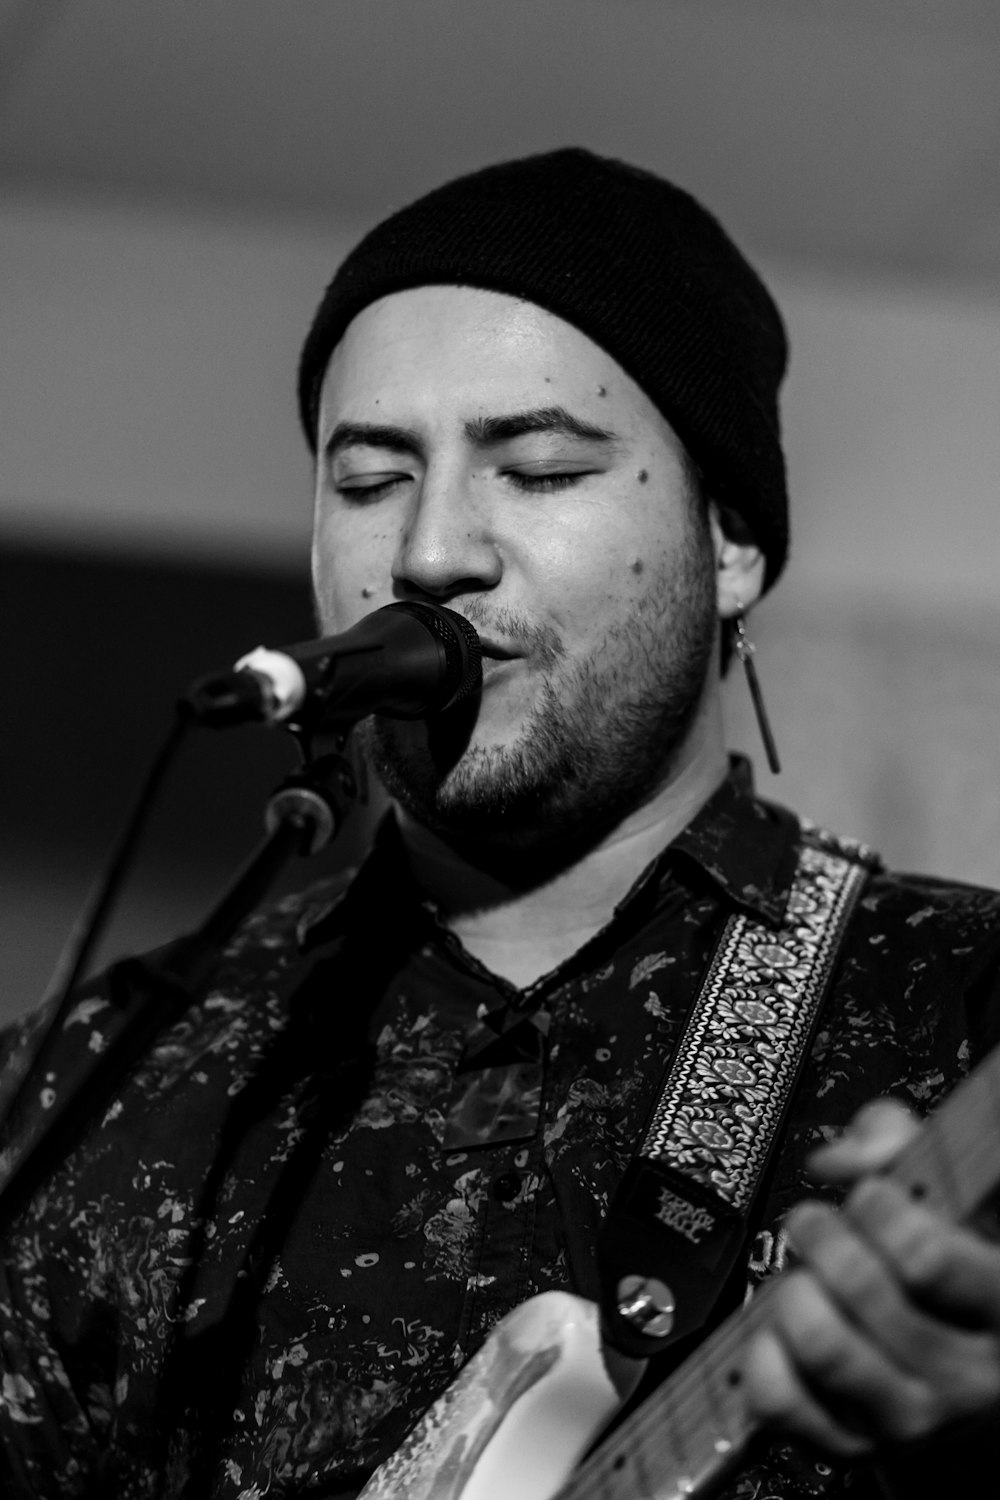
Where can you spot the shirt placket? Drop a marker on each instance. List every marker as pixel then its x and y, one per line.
pixel 501 1276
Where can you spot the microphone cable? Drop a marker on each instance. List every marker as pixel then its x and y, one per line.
pixel 91 921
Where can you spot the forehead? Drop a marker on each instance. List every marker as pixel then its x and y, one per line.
pixel 481 350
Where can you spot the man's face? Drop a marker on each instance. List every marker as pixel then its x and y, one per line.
pixel 478 452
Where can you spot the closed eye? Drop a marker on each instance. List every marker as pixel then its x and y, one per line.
pixel 537 484
pixel 361 487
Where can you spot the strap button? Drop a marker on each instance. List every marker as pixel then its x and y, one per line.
pixel 647 1304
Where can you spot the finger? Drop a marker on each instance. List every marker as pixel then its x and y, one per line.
pixel 948 1268
pixel 858 1386
pixel 778 1397
pixel 859 1280
pixel 875 1136
pixel 960 1367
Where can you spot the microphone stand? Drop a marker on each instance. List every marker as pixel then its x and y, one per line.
pixel 144 996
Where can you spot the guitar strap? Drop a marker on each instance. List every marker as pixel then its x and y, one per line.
pixel 681 1215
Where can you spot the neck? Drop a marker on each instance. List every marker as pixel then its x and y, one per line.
pixel 521 924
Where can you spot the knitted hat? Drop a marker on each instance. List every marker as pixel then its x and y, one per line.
pixel 634 263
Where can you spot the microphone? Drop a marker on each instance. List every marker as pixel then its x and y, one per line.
pixel 405 660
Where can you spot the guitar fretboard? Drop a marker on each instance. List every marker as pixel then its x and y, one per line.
pixel 696 1424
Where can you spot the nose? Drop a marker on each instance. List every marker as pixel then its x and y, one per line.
pixel 447 545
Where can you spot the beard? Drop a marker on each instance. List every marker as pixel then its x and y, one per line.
pixel 602 737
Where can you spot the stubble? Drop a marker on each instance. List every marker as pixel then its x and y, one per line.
pixel 602 737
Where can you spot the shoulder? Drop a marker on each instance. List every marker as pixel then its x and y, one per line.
pixel 942 907
pixel 919 971
pixel 914 1001
pixel 244 1003
pixel 929 911
pixel 928 937
pixel 275 934
pixel 919 961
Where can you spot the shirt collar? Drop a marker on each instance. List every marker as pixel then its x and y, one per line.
pixel 747 848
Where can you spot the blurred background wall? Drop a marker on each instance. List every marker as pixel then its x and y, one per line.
pixel 177 185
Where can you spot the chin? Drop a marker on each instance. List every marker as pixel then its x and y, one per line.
pixel 543 792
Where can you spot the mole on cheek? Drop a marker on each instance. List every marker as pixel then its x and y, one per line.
pixel 602 390
pixel 638 566
pixel 642 476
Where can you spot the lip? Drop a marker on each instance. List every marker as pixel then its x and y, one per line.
pixel 492 666
pixel 495 651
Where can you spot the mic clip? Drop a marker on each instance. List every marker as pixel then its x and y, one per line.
pixel 316 799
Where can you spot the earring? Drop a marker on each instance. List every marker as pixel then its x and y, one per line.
pixel 745 650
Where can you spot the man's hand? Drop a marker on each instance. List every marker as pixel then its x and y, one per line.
pixel 888 1327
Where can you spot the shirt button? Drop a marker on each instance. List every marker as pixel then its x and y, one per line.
pixel 507 1187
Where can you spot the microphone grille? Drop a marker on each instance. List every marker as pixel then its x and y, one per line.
pixel 463 653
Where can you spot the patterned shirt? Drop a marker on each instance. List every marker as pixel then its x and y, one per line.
pixel 359 1149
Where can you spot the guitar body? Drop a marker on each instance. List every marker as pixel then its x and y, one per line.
pixel 520 1415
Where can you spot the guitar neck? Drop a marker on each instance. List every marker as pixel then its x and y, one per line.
pixel 695 1425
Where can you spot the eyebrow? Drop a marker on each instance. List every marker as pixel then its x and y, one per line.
pixel 484 432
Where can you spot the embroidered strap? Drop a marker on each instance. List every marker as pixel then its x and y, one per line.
pixel 738 1059
pixel 679 1218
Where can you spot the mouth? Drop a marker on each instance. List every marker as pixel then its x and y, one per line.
pixel 495 658
pixel 493 651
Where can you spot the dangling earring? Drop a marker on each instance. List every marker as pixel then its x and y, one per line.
pixel 745 649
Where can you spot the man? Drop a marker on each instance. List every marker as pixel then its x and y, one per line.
pixel 544 396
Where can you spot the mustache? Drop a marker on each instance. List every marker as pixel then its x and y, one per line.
pixel 508 628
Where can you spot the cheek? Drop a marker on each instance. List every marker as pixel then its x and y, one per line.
pixel 350 573
pixel 586 594
pixel 606 562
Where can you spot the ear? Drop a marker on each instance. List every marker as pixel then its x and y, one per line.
pixel 740 567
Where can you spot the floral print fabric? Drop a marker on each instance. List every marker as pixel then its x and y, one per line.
pixel 266 1259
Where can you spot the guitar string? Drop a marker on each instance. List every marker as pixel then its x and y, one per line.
pixel 928 1161
pixel 654 1425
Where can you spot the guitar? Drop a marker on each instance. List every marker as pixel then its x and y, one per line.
pixel 535 1398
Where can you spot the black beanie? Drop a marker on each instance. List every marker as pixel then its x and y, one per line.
pixel 632 261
